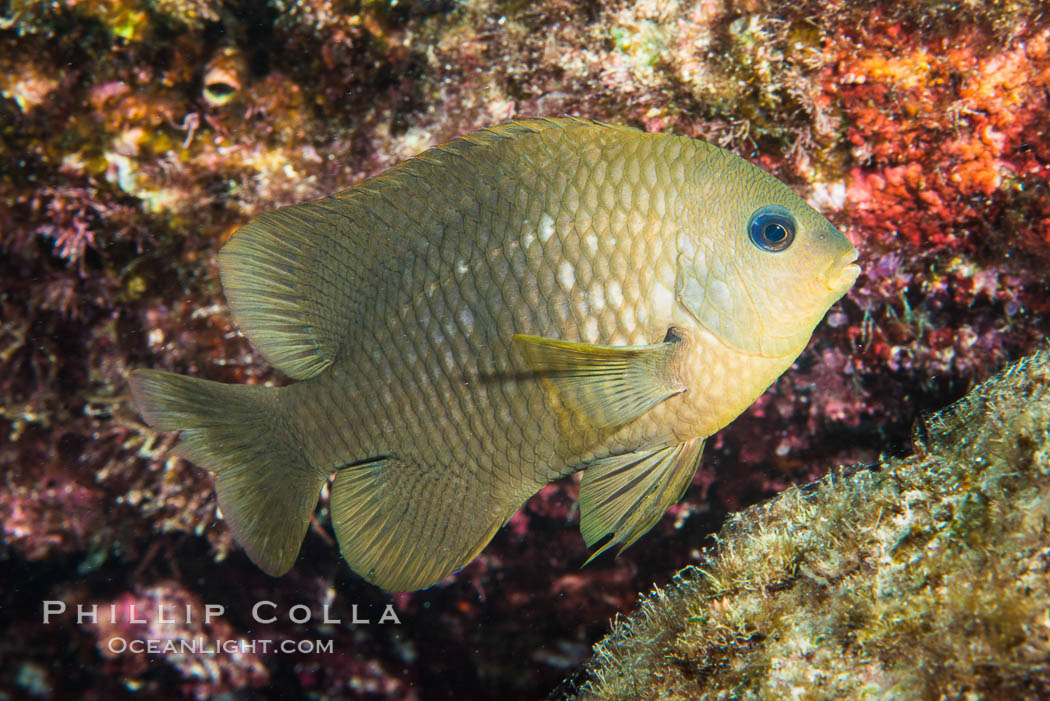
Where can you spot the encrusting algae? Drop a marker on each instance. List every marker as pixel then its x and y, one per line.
pixel 519 304
pixel 917 578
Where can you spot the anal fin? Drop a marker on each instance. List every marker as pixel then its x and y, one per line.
pixel 404 527
pixel 625 495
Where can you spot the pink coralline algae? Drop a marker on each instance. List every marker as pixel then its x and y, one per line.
pixel 135 137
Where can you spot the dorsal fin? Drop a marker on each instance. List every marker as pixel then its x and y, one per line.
pixel 292 276
pixel 271 275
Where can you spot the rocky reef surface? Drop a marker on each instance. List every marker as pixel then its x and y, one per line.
pixel 917 578
pixel 136 135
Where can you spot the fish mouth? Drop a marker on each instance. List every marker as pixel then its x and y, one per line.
pixel 842 273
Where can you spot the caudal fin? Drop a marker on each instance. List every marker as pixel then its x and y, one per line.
pixel 266 489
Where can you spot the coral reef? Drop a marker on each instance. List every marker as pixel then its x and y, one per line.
pixel 922 577
pixel 136 136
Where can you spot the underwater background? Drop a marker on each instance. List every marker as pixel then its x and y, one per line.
pixel 136 135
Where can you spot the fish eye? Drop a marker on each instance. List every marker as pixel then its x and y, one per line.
pixel 772 228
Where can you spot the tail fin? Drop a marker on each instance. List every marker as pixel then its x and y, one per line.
pixel 266 488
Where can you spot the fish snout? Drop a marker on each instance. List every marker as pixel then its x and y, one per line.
pixel 840 275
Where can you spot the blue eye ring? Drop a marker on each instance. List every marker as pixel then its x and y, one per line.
pixel 771 228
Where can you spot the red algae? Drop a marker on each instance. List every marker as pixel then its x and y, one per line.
pixel 201 645
pixel 134 138
pixel 940 129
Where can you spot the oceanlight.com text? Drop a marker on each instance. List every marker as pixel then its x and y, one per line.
pixel 215 646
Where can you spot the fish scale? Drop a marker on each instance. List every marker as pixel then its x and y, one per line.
pixel 486 448
pixel 499 312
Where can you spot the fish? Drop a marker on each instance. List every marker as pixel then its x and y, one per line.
pixel 522 303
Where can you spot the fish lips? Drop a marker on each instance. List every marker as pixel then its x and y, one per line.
pixel 842 273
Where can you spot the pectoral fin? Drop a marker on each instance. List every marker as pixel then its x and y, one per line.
pixel 608 385
pixel 625 495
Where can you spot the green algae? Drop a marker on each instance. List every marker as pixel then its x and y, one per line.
pixel 923 577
